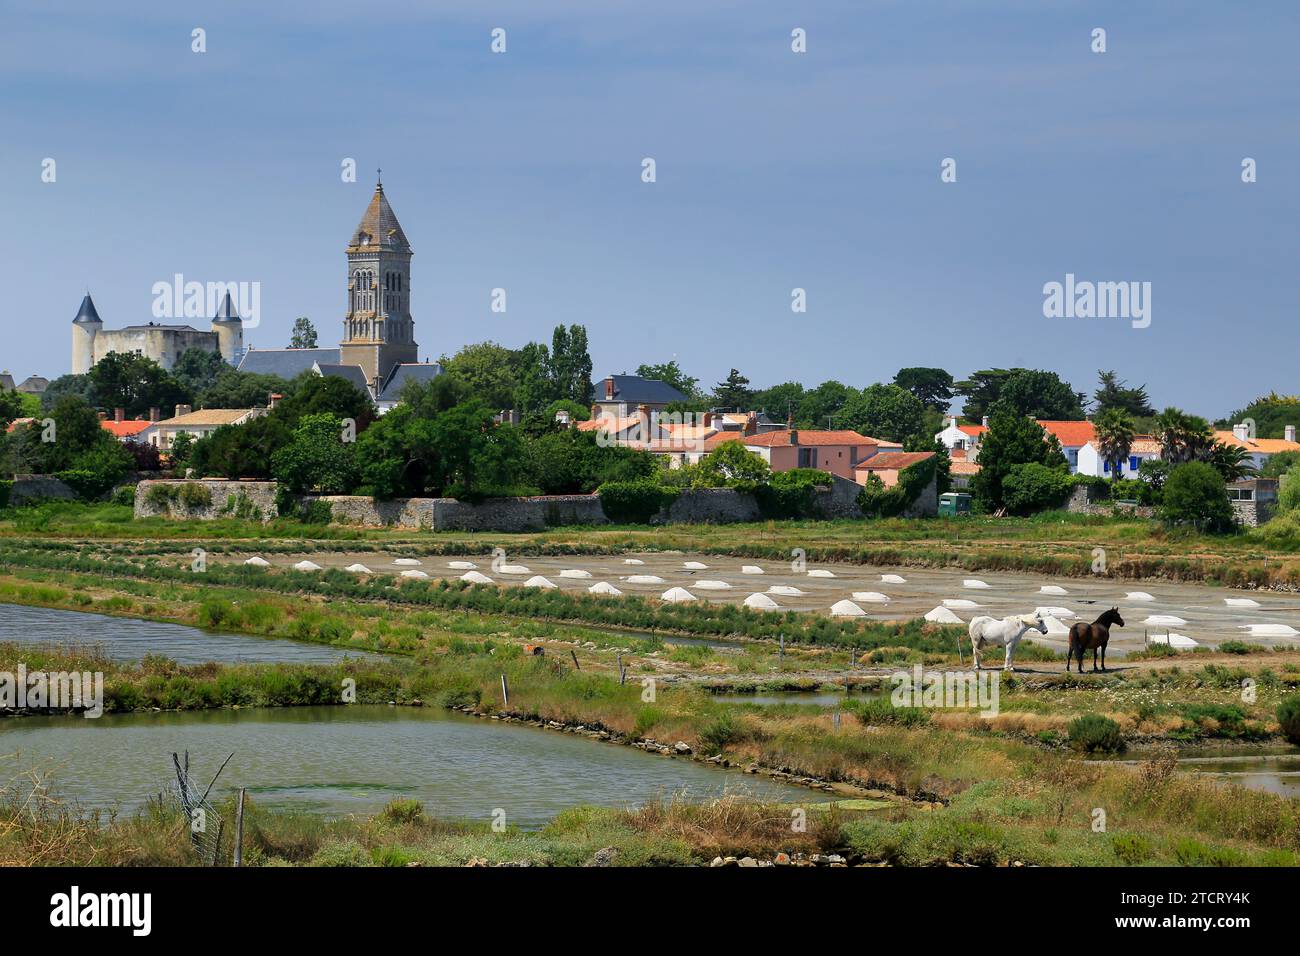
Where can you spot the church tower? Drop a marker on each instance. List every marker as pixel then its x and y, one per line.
pixel 378 332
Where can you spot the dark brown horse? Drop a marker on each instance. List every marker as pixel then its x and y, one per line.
pixel 1090 637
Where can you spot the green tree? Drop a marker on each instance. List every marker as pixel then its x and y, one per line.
pixel 1042 395
pixel 535 386
pixel 11 406
pixel 571 362
pixel 1012 439
pixel 304 334
pixel 733 392
pixel 731 463
pixel 982 390
pixel 485 371
pixel 884 411
pixel 1195 494
pixel 780 402
pixel 933 387
pixel 1275 466
pixel 1033 487
pixel 1231 461
pixel 233 389
pixel 78 385
pixel 198 369
pixel 132 382
pixel 317 458
pixel 1112 393
pixel 671 373
pixel 1115 434
pixel 1270 413
pixel 312 394
pixel 821 406
pixel 1183 437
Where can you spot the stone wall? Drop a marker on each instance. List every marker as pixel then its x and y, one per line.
pixel 225 499
pixel 709 506
pixel 839 500
pixel 448 514
pixel 28 489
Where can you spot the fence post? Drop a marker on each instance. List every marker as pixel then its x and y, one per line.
pixel 505 692
pixel 239 829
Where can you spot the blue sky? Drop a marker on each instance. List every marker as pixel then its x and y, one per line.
pixel 775 171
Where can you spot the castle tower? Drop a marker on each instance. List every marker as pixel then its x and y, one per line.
pixel 378 331
pixel 85 327
pixel 230 330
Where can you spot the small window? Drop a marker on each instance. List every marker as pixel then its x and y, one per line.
pixel 1133 462
pixel 1107 467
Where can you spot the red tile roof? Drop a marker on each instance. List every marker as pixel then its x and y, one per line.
pixel 125 429
pixel 1070 434
pixel 808 437
pixel 893 460
pixel 973 429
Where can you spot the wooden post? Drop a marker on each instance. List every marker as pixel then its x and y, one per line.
pixel 239 829
pixel 622 674
pixel 782 653
pixel 505 692
pixel 960 660
pixel 574 655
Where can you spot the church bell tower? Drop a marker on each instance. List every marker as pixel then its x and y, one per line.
pixel 378 331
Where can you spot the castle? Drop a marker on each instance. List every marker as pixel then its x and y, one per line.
pixel 378 352
pixel 162 343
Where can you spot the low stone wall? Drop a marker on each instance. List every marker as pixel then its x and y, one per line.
pixel 1252 514
pixel 709 506
pixel 448 514
pixel 839 499
pixel 223 499
pixel 32 488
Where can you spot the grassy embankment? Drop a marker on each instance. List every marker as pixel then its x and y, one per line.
pixel 1052 543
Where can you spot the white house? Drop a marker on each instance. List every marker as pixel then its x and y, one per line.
pixel 198 424
pixel 1090 461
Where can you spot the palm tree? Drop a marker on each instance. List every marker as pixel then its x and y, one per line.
pixel 1183 437
pixel 1231 461
pixel 1115 433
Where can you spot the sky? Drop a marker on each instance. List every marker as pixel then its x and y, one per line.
pixel 775 171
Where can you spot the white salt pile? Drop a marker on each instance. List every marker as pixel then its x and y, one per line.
pixel 604 587
pixel 1052 589
pixel 1164 620
pixel 711 585
pixel 633 561
pixel 787 589
pixel 1271 630
pixel 414 574
pixel 892 579
pixel 405 561
pixel 750 569
pixel 694 566
pixel 513 569
pixel 942 615
pixel 1173 640
pixel 537 581
pixel 677 596
pixel 958 602
pixel 1138 596
pixel 475 577
pixel 575 573
pixel 821 573
pixel 306 566
pixel 462 565
pixel 1061 612
pixel 846 609
pixel 1241 602
pixel 974 583
pixel 645 579
pixel 357 569
pixel 761 601
pixel 870 597
pixel 258 562
pixel 1054 626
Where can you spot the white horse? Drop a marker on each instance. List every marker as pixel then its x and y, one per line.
pixel 1007 632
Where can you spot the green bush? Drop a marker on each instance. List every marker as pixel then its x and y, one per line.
pixel 717 733
pixel 789 494
pixel 403 810
pixel 1034 487
pixel 634 502
pixel 1288 716
pixel 1195 494
pixel 1131 848
pixel 195 496
pixel 877 501
pixel 1093 733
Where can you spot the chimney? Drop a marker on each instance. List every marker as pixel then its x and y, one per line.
pixel 751 423
pixel 1289 432
pixel 182 410
pixel 561 417
pixel 274 399
pixel 609 388
pixel 155 414
pixel 1241 432
pixel 794 437
pixel 103 416
pixel 985 421
pixel 119 414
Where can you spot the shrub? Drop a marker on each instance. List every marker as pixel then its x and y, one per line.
pixel 1288 716
pixel 6 487
pixel 1240 647
pixel 1031 487
pixel 195 496
pixel 1093 733
pixel 634 502
pixel 877 501
pixel 1195 494
pixel 1131 848
pixel 403 810
pixel 717 733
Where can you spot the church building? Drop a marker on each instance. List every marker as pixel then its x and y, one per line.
pixel 378 351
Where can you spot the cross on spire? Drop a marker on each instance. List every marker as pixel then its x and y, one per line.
pixel 379 179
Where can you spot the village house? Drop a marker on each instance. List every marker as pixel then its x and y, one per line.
pixel 836 452
pixel 619 393
pixel 1259 449
pixel 123 428
pixel 198 424
pixel 887 465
